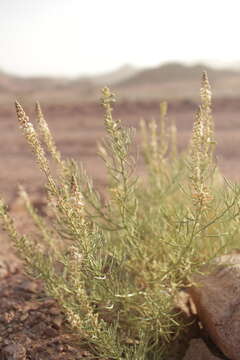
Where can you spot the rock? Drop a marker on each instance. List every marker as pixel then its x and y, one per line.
pixel 54 311
pixel 57 322
pixel 217 299
pixel 28 285
pixel 9 264
pixel 50 332
pixel 23 317
pixel 14 352
pixel 198 350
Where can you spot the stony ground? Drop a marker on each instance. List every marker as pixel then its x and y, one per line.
pixel 31 324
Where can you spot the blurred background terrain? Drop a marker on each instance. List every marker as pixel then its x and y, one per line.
pixel 62 52
pixel 72 108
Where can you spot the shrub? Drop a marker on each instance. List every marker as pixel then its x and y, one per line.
pixel 116 264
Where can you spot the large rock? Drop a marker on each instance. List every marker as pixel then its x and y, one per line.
pixel 216 295
pixel 198 350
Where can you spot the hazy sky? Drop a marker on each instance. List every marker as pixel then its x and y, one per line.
pixel 73 37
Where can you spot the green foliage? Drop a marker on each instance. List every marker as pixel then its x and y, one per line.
pixel 115 265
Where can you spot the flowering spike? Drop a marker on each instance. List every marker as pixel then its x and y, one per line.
pixel 46 135
pixel 21 115
pixel 205 91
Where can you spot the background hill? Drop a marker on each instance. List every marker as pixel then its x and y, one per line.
pixel 125 72
pixel 171 72
pixel 168 81
pixel 175 80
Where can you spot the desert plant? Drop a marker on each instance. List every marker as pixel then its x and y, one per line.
pixel 116 264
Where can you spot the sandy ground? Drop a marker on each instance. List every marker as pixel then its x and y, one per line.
pixel 78 129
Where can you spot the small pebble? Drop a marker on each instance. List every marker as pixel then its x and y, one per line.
pixel 14 352
pixel 23 317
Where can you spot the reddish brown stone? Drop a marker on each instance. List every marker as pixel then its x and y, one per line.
pixel 217 299
pixel 198 350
